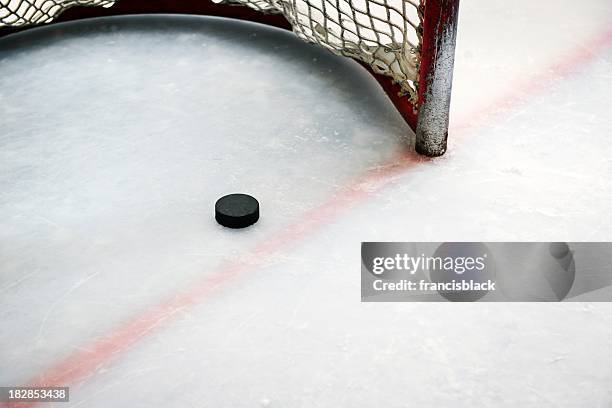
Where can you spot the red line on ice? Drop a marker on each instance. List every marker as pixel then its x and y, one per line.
pixel 522 91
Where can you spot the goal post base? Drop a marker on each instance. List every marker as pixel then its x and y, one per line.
pixel 431 145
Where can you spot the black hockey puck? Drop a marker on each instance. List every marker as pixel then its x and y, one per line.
pixel 237 210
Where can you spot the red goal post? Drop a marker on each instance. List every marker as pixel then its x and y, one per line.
pixel 407 45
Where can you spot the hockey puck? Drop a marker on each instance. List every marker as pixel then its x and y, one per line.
pixel 237 210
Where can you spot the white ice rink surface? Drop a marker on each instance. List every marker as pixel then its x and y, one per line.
pixel 117 136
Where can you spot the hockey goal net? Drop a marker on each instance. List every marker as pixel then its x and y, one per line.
pixel 407 44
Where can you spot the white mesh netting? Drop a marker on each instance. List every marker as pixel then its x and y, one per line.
pixel 385 34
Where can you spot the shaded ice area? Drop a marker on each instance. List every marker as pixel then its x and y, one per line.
pixel 116 144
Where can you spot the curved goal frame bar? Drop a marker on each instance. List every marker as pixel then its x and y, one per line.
pixel 429 118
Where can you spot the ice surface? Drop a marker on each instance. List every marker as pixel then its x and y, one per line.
pixel 118 136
